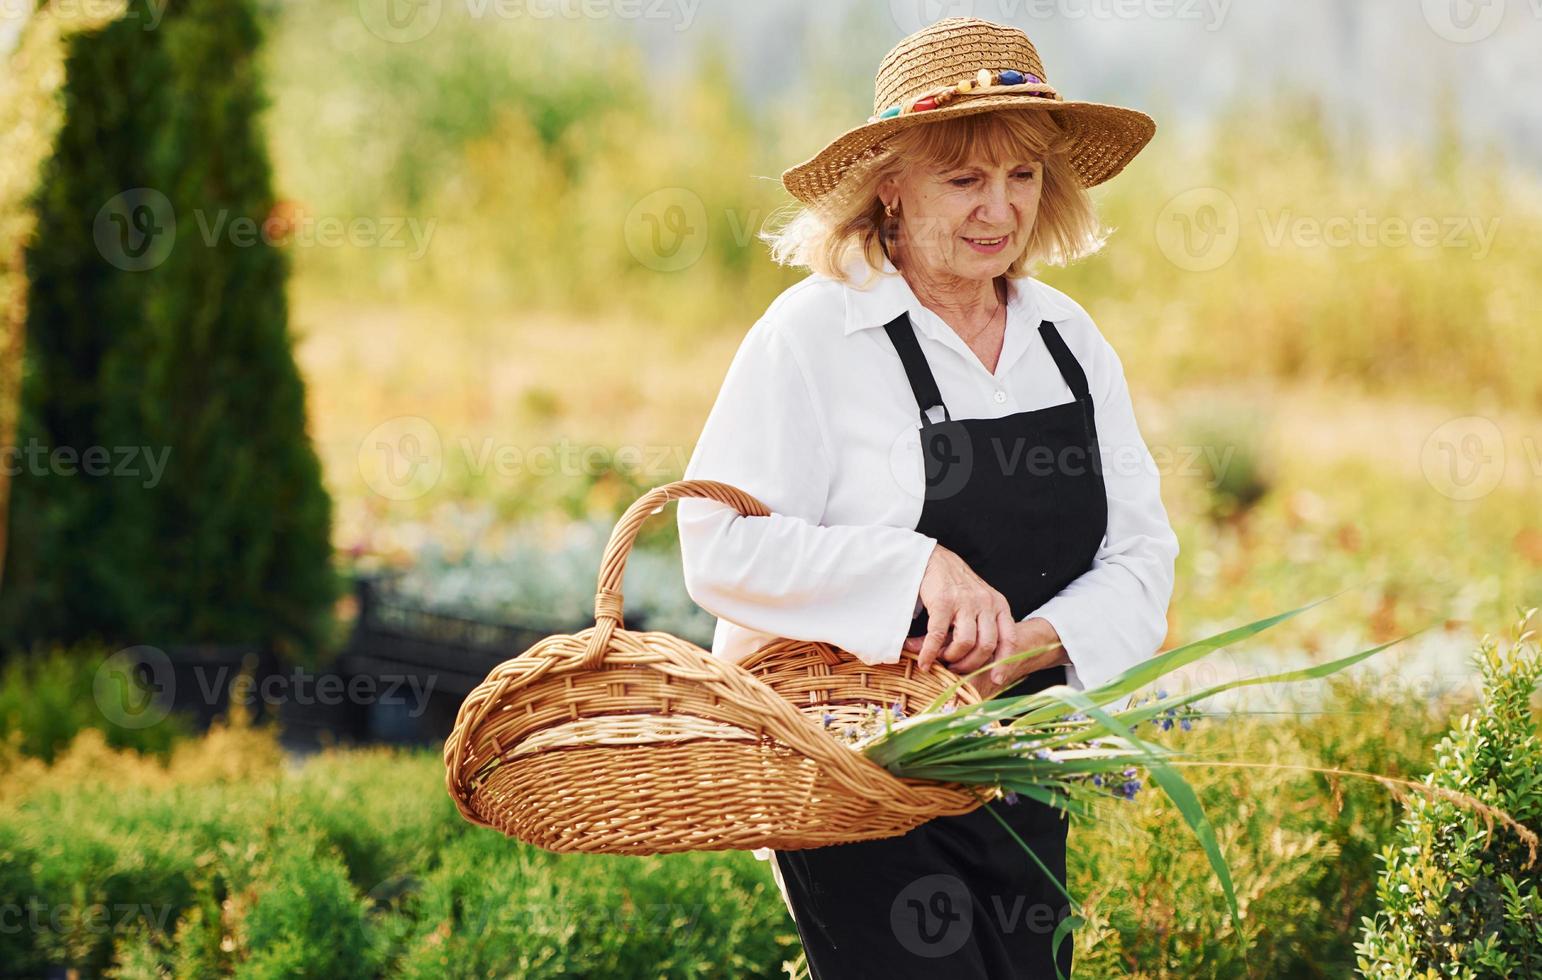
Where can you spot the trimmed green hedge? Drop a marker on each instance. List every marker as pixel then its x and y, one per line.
pixel 222 863
pixel 358 866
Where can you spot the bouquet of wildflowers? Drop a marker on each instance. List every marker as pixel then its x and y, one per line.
pixel 1072 749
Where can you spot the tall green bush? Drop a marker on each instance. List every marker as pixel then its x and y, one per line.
pixel 30 117
pixel 158 339
pixel 1458 899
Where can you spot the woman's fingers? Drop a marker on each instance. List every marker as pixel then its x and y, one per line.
pixel 979 658
pixel 971 641
pixel 1008 645
pixel 964 630
pixel 985 645
pixel 938 622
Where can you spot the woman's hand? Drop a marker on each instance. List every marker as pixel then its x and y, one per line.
pixel 970 624
pixel 1030 633
pixel 966 618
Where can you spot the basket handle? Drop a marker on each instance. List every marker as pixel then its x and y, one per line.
pixel 607 598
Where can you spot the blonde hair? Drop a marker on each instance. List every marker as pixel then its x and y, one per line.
pixel 851 220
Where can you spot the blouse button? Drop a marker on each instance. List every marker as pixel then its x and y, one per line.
pixel 1000 397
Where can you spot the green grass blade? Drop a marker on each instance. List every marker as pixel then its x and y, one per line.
pixel 1146 671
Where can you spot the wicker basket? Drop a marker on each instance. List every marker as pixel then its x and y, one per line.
pixel 638 742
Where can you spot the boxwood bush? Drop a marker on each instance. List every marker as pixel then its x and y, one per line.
pixel 1458 899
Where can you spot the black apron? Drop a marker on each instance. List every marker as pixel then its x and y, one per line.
pixel 1021 499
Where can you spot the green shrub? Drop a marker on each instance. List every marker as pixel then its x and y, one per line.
pixel 495 908
pixel 357 864
pixel 1458 899
pixel 308 919
pixel 1228 444
pixel 46 699
pixel 31 113
pixel 146 336
pixel 214 845
pixel 1301 849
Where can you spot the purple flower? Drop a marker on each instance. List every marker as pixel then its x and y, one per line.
pixel 829 719
pixel 899 710
pixel 1130 772
pixel 1097 779
pixel 1011 798
pixel 1129 789
pixel 1185 724
pixel 1167 724
pixel 1043 754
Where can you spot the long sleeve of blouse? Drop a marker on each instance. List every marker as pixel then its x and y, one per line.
pixel 790 574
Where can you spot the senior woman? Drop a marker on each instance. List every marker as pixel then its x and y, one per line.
pixel 950 452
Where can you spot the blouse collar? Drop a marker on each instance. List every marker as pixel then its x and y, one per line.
pixel 1028 302
pixel 890 294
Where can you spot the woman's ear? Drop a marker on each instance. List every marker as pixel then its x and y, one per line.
pixel 888 191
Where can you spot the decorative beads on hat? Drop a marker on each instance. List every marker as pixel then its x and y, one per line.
pixel 982 82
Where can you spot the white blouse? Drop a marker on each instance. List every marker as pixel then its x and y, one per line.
pixel 816 419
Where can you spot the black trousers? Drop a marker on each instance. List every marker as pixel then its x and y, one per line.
pixel 955 897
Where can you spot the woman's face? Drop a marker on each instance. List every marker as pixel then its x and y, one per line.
pixel 971 221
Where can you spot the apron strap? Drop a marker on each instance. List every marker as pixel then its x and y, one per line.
pixel 1070 370
pixel 922 383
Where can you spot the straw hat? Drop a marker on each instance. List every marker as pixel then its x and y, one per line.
pixel 959 66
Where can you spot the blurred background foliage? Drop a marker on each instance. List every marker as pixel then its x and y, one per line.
pixel 529 314
pixel 528 142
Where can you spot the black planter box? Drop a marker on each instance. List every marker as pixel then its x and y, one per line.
pixel 424 662
pixel 318 709
pixel 201 675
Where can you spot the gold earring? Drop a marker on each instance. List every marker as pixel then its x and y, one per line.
pixel 890 210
